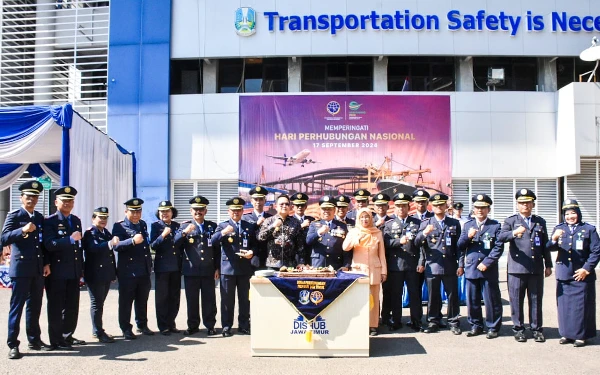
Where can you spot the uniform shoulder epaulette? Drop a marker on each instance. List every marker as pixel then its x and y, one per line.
pixel 186 222
pixel 120 221
pixel 511 216
pixel 90 228
pixel 15 211
pixel 469 220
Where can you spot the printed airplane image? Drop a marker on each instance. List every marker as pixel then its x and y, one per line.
pixel 299 158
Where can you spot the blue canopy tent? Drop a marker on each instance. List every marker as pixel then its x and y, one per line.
pixel 58 142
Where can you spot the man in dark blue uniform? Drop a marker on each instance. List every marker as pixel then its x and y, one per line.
pixel 342 205
pixel 361 200
pixel 438 237
pixel 299 201
pixel 236 239
pixel 167 267
pixel 63 252
pixel 325 238
pixel 382 205
pixel 23 232
pixel 201 263
pixel 402 256
pixel 420 197
pixel 257 217
pixel 134 266
pixel 480 251
pixel 528 262
pixel 99 268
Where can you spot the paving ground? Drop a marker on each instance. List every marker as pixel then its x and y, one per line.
pixel 400 352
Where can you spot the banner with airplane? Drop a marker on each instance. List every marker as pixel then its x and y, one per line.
pixel 335 144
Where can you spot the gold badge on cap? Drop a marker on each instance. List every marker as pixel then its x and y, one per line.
pixel 326 199
pixel 258 188
pixel 361 192
pixel 480 197
pixel 68 190
pixel 198 199
pixel 34 185
pixel 568 201
pixel 135 202
pixel 236 201
pixel 299 196
pixel 523 191
pixel 401 195
pixel 103 209
pixel 437 197
pixel 341 199
pixel 420 193
pixel 380 196
pixel 163 203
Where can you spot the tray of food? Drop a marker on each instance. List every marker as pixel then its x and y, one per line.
pixel 306 271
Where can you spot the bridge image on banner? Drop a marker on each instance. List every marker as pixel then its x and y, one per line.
pixel 335 144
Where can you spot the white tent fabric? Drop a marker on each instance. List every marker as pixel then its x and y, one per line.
pixel 54 176
pixel 99 171
pixel 43 145
pixel 9 179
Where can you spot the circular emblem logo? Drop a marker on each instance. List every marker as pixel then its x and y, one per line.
pixel 67 189
pixel 163 203
pixel 103 209
pixel 326 199
pixel 523 191
pixel 230 240
pixel 480 197
pixel 420 193
pixel 135 202
pixel 401 195
pixel 360 192
pixel 341 199
pixel 333 107
pixel 198 199
pixel 380 196
pixel 60 232
pixel 34 185
pixel 568 201
pixel 299 196
pixel 304 297
pixel 236 201
pixel 437 197
pixel 316 297
pixel 258 188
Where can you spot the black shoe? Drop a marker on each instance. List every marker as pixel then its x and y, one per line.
pixel 395 326
pixel 431 328
pixel 129 335
pixel 190 331
pixel 227 332
pixel 373 332
pixel 165 332
pixel 212 332
pixel 564 340
pixel 520 336
pixel 475 332
pixel 60 346
pixel 243 331
pixel 442 325
pixel 105 339
pixel 37 345
pixel 14 353
pixel 538 336
pixel 579 343
pixel 146 331
pixel 491 335
pixel 455 330
pixel 175 330
pixel 73 341
pixel 414 325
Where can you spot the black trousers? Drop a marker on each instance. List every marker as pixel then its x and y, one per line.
pixel 197 287
pixel 25 291
pixel 63 308
pixel 167 296
pixel 98 292
pixel 434 303
pixel 133 290
pixel 520 285
pixel 492 300
pixel 229 284
pixel 393 290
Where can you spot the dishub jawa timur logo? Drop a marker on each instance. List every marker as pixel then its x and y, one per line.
pixel 245 21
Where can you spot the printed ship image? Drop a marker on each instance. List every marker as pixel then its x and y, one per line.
pixel 393 183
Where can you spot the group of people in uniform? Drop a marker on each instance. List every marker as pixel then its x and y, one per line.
pixel 428 248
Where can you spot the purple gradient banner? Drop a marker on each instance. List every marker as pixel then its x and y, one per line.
pixel 333 144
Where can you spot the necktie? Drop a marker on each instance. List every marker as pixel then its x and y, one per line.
pixel 422 216
pixel 237 225
pixel 69 221
pixel 201 228
pixel 572 228
pixel 528 221
pixel 442 224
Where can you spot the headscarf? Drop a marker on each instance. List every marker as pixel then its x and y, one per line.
pixel 370 229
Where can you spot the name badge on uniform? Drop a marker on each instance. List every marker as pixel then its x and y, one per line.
pixel 245 242
pixel 486 244
pixel 448 241
pixel 537 241
pixel 209 241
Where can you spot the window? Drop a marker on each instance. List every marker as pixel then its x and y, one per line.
pixel 253 75
pixel 520 73
pixel 421 74
pixel 186 77
pixel 217 193
pixel 337 74
pixel 568 70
